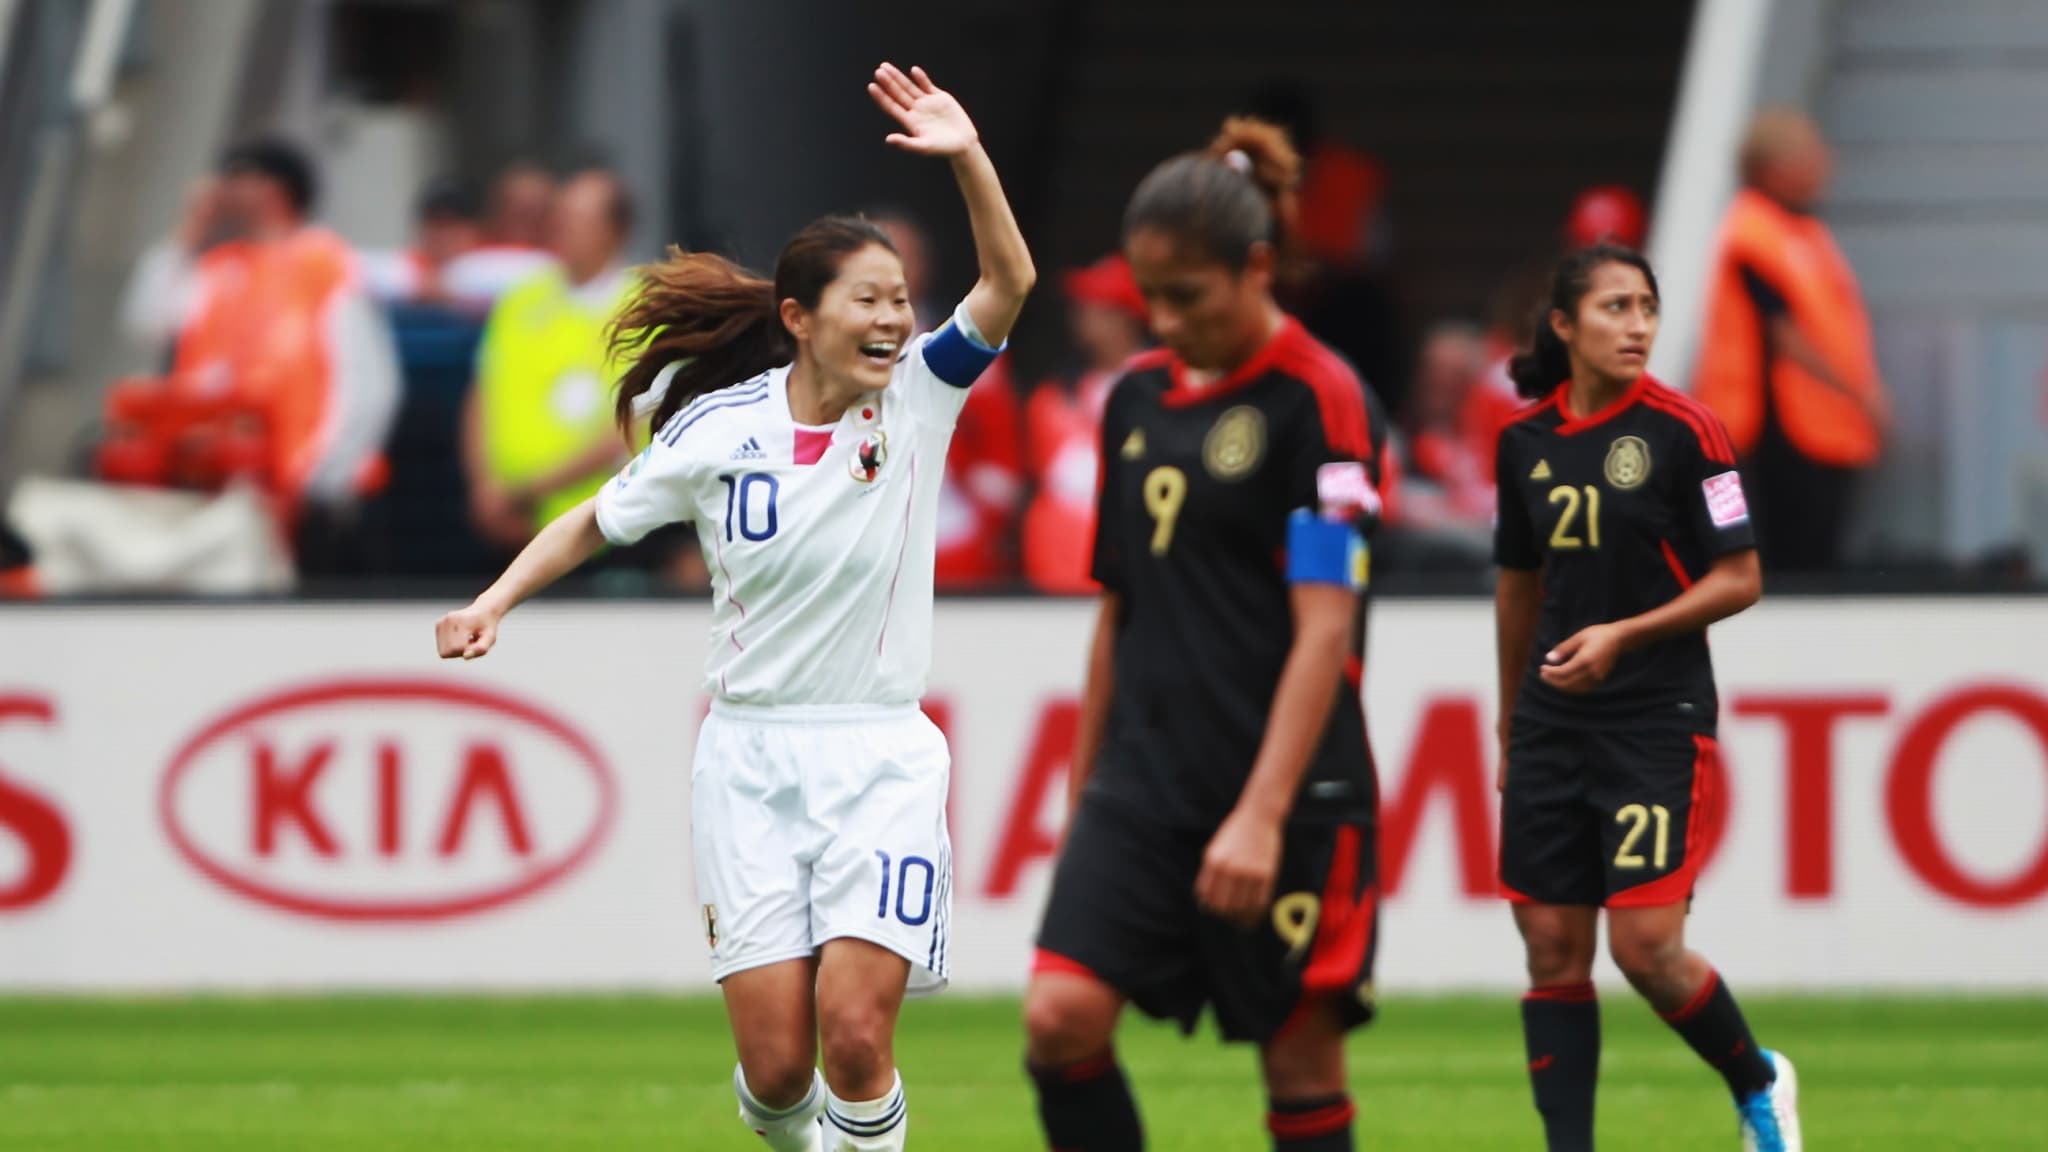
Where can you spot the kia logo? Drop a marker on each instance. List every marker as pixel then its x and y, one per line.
pixel 387 800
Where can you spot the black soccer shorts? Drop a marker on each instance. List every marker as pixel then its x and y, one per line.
pixel 1123 910
pixel 1614 817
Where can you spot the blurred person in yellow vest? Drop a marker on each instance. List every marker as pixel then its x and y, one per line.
pixel 278 355
pixel 538 436
pixel 1786 355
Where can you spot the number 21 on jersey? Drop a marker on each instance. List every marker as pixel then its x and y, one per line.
pixel 1567 535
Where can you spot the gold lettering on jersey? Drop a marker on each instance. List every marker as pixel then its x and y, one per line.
pixel 1134 445
pixel 1235 444
pixel 1628 463
pixel 1541 471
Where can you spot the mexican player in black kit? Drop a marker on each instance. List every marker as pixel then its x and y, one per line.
pixel 1622 535
pixel 1222 848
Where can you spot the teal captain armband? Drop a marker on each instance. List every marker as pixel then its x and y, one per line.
pixel 1323 551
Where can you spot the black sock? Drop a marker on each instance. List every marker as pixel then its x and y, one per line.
pixel 1087 1106
pixel 1713 1025
pixel 1561 1027
pixel 1314 1124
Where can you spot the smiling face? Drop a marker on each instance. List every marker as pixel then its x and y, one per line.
pixel 861 323
pixel 1616 324
pixel 1210 315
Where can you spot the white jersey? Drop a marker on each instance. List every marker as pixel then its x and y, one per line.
pixel 820 541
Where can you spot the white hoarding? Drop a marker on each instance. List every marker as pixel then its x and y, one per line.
pixel 269 797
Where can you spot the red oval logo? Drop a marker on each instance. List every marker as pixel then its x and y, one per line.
pixel 387 800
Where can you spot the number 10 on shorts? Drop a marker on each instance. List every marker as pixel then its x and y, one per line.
pixel 905 878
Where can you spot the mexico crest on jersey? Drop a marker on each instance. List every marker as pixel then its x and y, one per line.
pixel 1235 443
pixel 1628 463
pixel 868 456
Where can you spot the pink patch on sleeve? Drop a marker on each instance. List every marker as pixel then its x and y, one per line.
pixel 1725 503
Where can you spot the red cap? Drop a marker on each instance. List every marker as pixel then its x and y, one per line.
pixel 1608 213
pixel 1108 282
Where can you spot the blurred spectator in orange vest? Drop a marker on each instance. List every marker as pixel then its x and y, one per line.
pixel 984 477
pixel 1786 358
pixel 270 325
pixel 1107 318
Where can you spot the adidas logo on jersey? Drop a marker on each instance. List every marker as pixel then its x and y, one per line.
pixel 751 450
pixel 1134 444
pixel 1541 471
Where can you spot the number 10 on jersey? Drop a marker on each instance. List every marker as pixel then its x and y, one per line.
pixel 750 501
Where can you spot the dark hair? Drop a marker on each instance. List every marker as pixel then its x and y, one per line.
pixel 278 160
pixel 1202 198
pixel 449 199
pixel 1547 362
pixel 721 320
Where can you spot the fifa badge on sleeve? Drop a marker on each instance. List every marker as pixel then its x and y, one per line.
pixel 1344 492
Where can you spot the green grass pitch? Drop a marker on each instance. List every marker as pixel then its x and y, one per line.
pixel 651 1073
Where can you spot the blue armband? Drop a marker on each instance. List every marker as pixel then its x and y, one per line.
pixel 958 353
pixel 1323 551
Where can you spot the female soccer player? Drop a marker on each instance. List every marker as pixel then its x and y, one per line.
pixel 1216 858
pixel 803 431
pixel 1622 535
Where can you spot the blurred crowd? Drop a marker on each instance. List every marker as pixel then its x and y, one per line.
pixel 419 414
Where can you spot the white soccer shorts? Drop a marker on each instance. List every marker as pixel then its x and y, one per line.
pixel 815 824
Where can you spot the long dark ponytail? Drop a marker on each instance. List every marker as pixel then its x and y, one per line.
pixel 1547 362
pixel 723 322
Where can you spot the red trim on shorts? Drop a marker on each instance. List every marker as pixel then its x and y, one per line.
pixel 1699 1000
pixel 1354 671
pixel 1514 897
pixel 1044 962
pixel 1344 926
pixel 1581 993
pixel 1677 886
pixel 1309 1125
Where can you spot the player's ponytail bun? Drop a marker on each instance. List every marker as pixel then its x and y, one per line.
pixel 1237 192
pixel 1262 152
pixel 708 322
pixel 698 310
pixel 1546 363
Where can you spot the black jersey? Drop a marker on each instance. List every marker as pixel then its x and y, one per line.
pixel 1622 510
pixel 1191 534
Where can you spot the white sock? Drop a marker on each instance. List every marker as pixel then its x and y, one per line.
pixel 868 1125
pixel 793 1129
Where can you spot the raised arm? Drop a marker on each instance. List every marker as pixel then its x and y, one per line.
pixel 934 124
